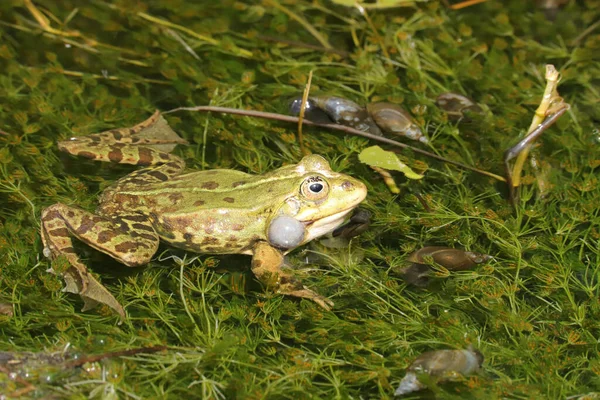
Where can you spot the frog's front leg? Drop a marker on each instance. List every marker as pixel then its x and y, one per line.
pixel 267 263
pixel 130 239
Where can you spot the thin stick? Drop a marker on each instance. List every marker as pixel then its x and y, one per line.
pixel 363 11
pixel 302 110
pixel 313 31
pixel 122 353
pixel 466 4
pixel 347 129
pixel 583 34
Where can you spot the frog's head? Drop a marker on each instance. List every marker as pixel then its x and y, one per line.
pixel 318 203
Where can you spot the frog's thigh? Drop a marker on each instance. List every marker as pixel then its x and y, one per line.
pixel 267 263
pixel 130 240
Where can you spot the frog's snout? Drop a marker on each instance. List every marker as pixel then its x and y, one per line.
pixel 355 189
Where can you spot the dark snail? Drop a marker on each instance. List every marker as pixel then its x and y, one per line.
pixel 446 365
pixel 449 258
pixel 392 118
pixel 377 117
pixel 455 105
pixel 452 259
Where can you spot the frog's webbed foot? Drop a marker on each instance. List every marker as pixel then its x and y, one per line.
pixel 267 264
pixel 128 239
pixel 92 292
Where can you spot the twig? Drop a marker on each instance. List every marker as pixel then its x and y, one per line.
pixel 186 46
pixel 365 14
pixel 79 74
pixel 466 4
pixel 583 34
pixel 313 31
pixel 347 129
pixel 140 350
pixel 302 111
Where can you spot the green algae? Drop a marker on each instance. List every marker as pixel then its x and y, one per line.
pixel 532 311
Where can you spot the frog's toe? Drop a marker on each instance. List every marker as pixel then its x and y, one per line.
pixel 96 293
pixel 324 302
pixel 311 295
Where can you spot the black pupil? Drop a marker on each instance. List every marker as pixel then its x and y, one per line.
pixel 316 187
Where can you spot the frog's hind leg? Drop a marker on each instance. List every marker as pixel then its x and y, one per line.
pixel 130 239
pixel 147 143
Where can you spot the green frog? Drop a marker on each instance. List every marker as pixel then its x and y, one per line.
pixel 218 211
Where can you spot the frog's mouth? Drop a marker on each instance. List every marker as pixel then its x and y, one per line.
pixel 319 227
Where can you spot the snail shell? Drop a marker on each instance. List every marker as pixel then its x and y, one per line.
pixel 449 258
pixel 312 112
pixel 392 118
pixel 346 112
pixel 327 109
pixel 445 364
pixel 455 105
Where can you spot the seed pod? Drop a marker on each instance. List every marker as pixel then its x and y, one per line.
pixel 392 118
pixel 449 258
pixel 311 111
pixel 445 365
pixel 455 105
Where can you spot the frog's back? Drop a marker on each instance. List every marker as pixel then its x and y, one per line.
pixel 151 191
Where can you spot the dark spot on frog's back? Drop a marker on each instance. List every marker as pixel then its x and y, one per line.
pixel 175 197
pixel 115 155
pixel 237 227
pixel 210 185
pixel 86 154
pixel 229 199
pixel 142 227
pixel 106 236
pixel 199 203
pixel 158 175
pixel 135 218
pixel 125 247
pixel 188 237
pixel 210 240
pixel 64 232
pixel 238 183
pixel 87 223
pixel 145 155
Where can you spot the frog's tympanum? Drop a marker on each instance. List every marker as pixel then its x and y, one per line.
pixel 216 211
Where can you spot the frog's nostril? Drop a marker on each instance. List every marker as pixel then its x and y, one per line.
pixel 347 185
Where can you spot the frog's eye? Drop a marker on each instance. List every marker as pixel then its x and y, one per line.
pixel 315 188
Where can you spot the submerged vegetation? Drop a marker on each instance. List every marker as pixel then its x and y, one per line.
pixel 72 68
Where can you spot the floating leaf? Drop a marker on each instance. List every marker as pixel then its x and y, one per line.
pixel 375 156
